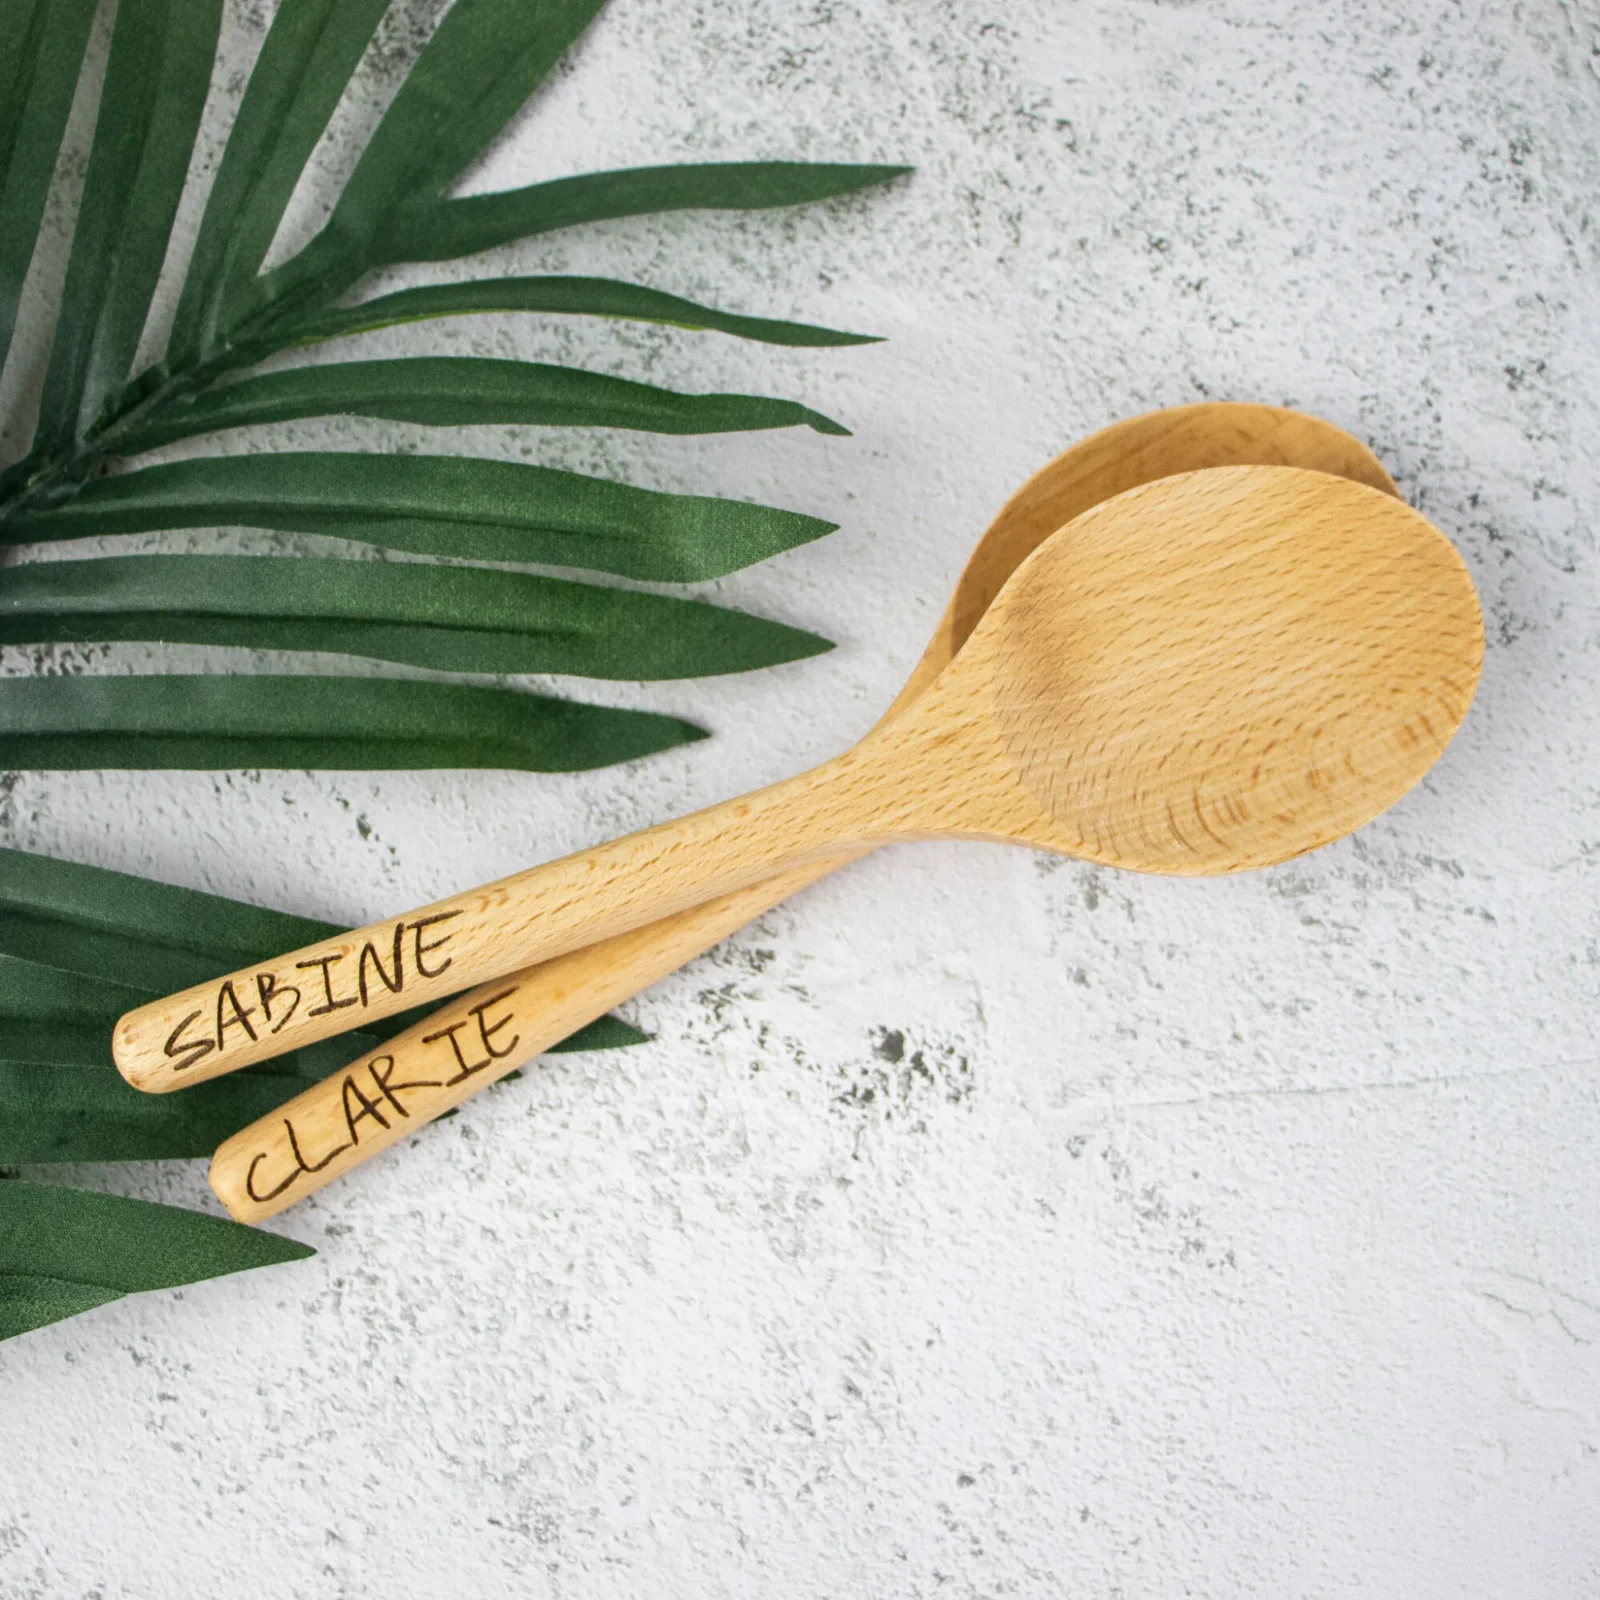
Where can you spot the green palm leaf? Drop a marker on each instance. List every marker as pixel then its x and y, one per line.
pixel 435 231
pixel 156 82
pixel 437 505
pixel 337 724
pixel 474 75
pixel 63 1251
pixel 114 928
pixel 456 619
pixel 54 1113
pixel 459 391
pixel 77 945
pixel 306 61
pixel 593 297
pixel 41 49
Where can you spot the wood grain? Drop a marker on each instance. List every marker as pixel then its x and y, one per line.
pixel 377 1100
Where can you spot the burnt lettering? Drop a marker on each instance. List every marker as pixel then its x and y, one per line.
pixel 191 1050
pixel 300 1165
pixel 391 1090
pixel 467 1069
pixel 268 989
pixel 327 985
pixel 393 985
pixel 358 1105
pixel 294 1144
pixel 487 1030
pixel 419 948
pixel 227 1001
pixel 349 1092
pixel 276 1190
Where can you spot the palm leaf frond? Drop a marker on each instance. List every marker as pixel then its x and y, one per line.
pixel 438 505
pixel 447 228
pixel 562 296
pixel 306 60
pixel 462 391
pixel 63 1251
pixel 79 946
pixel 191 720
pixel 483 61
pixel 155 88
pixel 453 619
pixel 41 50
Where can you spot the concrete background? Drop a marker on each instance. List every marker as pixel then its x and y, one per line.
pixel 979 1224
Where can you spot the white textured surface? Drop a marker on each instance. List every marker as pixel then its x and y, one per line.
pixel 980 1224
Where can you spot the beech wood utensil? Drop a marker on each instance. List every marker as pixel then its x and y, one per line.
pixel 1215 671
pixel 1209 673
pixel 481 1036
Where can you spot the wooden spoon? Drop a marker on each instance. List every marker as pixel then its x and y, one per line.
pixel 325 1131
pixel 1212 672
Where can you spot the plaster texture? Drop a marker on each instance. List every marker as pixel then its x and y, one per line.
pixel 978 1224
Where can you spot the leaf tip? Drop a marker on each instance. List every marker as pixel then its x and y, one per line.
pixel 291 1250
pixel 800 645
pixel 815 528
pixel 821 424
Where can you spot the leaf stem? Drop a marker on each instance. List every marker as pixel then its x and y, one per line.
pixel 42 479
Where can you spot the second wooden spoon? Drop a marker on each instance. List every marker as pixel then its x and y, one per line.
pixel 323 1133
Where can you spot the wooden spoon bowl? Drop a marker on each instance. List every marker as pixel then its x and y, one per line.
pixel 1209 673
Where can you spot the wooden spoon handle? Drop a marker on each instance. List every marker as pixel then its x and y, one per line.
pixel 427 955
pixel 466 1045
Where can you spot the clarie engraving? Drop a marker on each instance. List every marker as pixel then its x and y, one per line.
pixel 276 1000
pixel 369 1097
